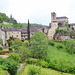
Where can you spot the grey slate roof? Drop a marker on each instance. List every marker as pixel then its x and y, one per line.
pixel 12 29
pixel 64 17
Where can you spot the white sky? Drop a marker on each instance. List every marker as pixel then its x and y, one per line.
pixel 38 11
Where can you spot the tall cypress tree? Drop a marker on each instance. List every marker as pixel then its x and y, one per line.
pixel 28 30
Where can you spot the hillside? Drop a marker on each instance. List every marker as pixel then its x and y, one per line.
pixel 4 17
pixel 34 24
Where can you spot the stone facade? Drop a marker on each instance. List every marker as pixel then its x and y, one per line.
pixel 54 24
pixel 2 35
pixel 13 32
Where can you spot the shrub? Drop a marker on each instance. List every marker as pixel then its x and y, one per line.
pixel 29 61
pixel 16 47
pixel 10 48
pixel 59 46
pixel 18 42
pixel 33 70
pixel 10 64
pixel 42 63
pixel 0 52
pixel 15 56
pixel 3 67
pixel 50 42
pixel 1 48
pixel 26 43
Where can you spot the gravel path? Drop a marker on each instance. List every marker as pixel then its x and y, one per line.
pixel 21 67
pixel 4 56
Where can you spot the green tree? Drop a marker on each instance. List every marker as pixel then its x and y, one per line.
pixel 39 45
pixel 28 30
pixel 1 41
pixel 1 19
pixel 70 46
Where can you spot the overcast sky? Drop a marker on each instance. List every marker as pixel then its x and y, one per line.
pixel 38 11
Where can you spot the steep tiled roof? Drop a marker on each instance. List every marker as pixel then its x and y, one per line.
pixel 12 29
pixel 24 30
pixel 64 17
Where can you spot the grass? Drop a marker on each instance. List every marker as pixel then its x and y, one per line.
pixel 61 60
pixel 6 26
pixel 3 72
pixel 44 71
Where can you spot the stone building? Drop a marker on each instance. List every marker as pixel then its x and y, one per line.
pixel 12 32
pixel 23 33
pixel 2 35
pixel 54 24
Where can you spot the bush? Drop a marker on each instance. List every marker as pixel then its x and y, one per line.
pixel 1 48
pixel 42 63
pixel 59 46
pixel 10 48
pixel 10 64
pixel 15 56
pixel 29 61
pixel 50 42
pixel 16 47
pixel 3 67
pixel 26 43
pixel 33 70
pixel 0 52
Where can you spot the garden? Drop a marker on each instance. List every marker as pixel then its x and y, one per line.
pixel 40 56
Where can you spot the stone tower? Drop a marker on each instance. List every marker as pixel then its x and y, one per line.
pixel 53 17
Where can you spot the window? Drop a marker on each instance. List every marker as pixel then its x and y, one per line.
pixel 16 35
pixel 50 36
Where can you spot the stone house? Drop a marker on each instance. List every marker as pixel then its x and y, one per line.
pixel 23 33
pixel 2 35
pixel 12 32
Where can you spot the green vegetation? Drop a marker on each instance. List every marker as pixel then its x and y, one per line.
pixel 39 45
pixel 28 30
pixel 5 18
pixel 43 71
pixel 34 24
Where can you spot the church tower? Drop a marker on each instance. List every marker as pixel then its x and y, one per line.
pixel 53 17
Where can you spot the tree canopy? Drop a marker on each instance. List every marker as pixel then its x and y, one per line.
pixel 39 45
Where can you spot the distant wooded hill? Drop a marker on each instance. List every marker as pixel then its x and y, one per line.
pixel 34 24
pixel 4 17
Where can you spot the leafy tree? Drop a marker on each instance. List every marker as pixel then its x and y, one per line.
pixel 57 30
pixel 70 46
pixel 24 52
pixel 15 56
pixel 10 64
pixel 1 19
pixel 1 41
pixel 39 45
pixel 28 30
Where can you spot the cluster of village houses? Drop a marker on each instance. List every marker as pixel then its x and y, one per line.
pixel 22 33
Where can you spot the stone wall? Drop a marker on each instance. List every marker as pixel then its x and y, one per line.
pixel 2 35
pixel 15 34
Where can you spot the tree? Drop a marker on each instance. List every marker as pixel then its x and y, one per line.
pixel 70 46
pixel 28 30
pixel 1 41
pixel 1 19
pixel 39 45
